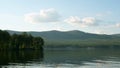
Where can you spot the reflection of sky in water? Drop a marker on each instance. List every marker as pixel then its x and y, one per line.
pixel 94 58
pixel 97 64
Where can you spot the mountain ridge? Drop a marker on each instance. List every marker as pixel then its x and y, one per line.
pixel 74 34
pixel 75 38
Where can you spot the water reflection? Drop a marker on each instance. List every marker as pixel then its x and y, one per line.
pixel 21 57
pixel 75 58
pixel 81 56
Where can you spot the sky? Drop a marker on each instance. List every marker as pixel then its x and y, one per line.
pixel 93 16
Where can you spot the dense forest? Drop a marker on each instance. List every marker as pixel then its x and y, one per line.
pixel 19 41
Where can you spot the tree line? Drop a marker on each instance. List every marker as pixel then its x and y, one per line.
pixel 19 41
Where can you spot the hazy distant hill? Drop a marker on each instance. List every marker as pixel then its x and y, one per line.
pixel 116 35
pixel 74 37
pixel 75 34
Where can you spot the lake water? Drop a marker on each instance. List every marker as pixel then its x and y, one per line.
pixel 58 58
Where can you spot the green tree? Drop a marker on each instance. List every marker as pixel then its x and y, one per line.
pixel 19 41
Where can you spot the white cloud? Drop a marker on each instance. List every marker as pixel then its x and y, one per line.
pixel 48 15
pixel 99 32
pixel 84 22
pixel 117 25
pixel 73 20
pixel 89 20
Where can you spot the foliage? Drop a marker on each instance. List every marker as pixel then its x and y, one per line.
pixel 21 41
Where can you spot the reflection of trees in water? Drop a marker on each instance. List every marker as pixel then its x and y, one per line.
pixel 7 57
pixel 79 56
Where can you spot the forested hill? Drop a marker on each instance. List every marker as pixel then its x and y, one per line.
pixel 117 35
pixel 75 34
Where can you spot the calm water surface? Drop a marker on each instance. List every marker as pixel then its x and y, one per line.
pixel 71 58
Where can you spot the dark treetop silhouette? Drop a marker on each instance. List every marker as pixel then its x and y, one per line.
pixel 19 41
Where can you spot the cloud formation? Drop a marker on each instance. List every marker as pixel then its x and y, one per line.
pixel 48 15
pixel 84 22
pixel 118 25
pixel 51 15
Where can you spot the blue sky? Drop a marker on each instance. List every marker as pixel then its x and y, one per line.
pixel 94 16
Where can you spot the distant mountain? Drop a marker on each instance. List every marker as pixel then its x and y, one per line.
pixel 75 34
pixel 116 35
pixel 75 37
